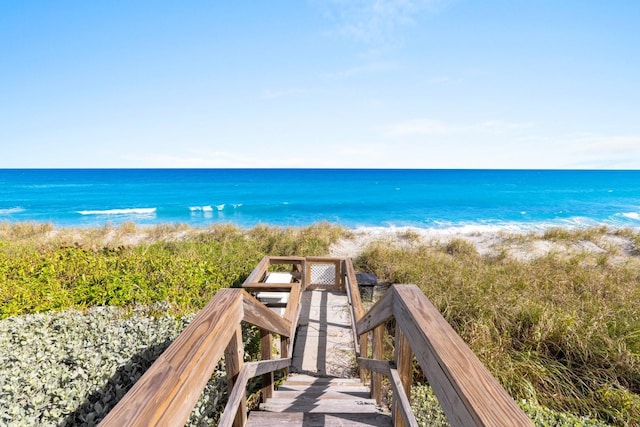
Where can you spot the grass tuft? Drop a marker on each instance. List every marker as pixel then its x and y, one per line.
pixel 560 330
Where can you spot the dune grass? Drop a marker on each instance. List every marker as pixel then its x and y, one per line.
pixel 47 269
pixel 562 330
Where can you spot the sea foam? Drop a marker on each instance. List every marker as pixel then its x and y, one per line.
pixel 131 211
pixel 10 211
pixel 632 215
pixel 200 208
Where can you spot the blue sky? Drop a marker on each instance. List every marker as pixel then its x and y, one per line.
pixel 320 83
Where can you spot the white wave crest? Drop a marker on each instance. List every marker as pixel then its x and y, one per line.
pixel 220 207
pixel 631 215
pixel 200 208
pixel 132 211
pixel 10 211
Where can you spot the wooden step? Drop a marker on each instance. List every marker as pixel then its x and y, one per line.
pixel 325 406
pixel 291 419
pixel 323 394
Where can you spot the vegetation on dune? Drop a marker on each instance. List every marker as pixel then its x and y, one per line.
pixel 562 330
pixel 185 269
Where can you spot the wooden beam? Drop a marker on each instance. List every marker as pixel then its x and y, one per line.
pixel 259 315
pixel 261 367
pixel 259 271
pixel 286 260
pixel 234 359
pixel 267 287
pixel 404 363
pixel 168 391
pixel 236 397
pixel 375 365
pixel 468 393
pixel 265 352
pixel 378 353
pixel 378 314
pixel 401 401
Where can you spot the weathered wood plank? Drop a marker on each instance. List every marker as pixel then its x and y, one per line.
pixel 265 352
pixel 292 314
pixel 167 392
pixel 236 397
pixel 378 314
pixel 259 315
pixel 375 365
pixel 378 353
pixel 296 419
pixel 259 271
pixel 296 260
pixel 468 393
pixel 355 302
pixel 401 401
pixel 404 362
pixel 268 287
pixel 234 360
pixel 261 367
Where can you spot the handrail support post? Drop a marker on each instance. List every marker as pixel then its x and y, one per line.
pixel 266 353
pixel 234 358
pixel 404 359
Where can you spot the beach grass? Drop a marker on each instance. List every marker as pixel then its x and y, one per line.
pixel 561 330
pixel 48 269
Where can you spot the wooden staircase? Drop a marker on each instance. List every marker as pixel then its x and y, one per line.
pixel 320 340
pixel 304 400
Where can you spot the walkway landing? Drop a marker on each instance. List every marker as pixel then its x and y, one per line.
pixel 324 341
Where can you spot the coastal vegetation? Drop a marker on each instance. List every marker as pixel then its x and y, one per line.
pixel 561 330
pixel 47 269
pixel 90 309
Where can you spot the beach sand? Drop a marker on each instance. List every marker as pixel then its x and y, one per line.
pixel 520 246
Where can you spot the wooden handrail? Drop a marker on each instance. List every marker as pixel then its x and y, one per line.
pixel 168 391
pixel 248 371
pixel 468 393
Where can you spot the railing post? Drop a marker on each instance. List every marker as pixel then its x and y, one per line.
pixel 234 358
pixel 265 350
pixel 404 358
pixel 284 351
pixel 378 353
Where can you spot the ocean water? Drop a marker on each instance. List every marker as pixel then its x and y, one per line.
pixel 462 200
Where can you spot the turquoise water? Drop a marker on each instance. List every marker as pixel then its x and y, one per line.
pixel 435 199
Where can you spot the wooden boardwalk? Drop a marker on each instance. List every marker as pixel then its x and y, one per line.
pixel 321 390
pixel 304 400
pixel 324 342
pixel 316 310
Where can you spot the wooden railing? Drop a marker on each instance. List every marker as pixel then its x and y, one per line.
pixel 468 393
pixel 168 391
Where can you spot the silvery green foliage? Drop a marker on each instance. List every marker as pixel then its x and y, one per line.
pixel 428 412
pixel 71 368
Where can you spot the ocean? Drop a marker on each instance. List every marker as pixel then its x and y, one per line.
pixel 460 200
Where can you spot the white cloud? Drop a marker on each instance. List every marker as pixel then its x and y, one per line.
pixel 425 126
pixel 373 21
pixel 419 127
pixel 499 126
pixel 378 67
pixel 274 94
pixel 598 151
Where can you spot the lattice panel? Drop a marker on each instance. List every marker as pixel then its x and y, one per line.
pixel 323 274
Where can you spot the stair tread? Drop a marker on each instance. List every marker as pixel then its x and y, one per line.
pixel 329 406
pixel 322 394
pixel 318 389
pixel 290 419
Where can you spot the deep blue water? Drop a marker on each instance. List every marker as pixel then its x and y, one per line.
pixel 440 199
